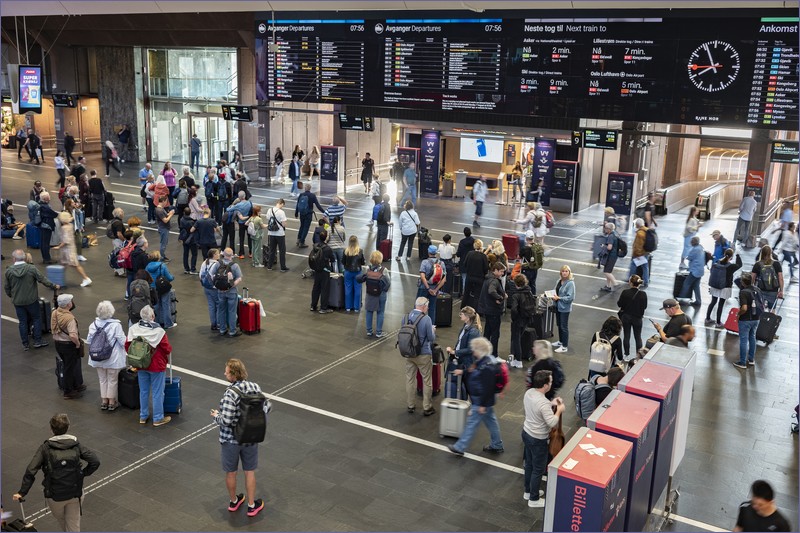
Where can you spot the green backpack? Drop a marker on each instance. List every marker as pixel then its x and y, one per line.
pixel 140 353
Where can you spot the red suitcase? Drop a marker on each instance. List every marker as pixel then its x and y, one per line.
pixel 249 313
pixel 436 380
pixel 385 247
pixel 511 244
pixel 732 322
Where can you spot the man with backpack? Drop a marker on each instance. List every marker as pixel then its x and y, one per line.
pixel 415 340
pixel 589 394
pixel 276 230
pixel 751 306
pixel 319 260
pixel 432 276
pixel 304 209
pixel 226 275
pixel 61 458
pixel 239 414
pixel 240 210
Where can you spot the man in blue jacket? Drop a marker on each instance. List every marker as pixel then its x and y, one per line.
pixel 423 362
pixel 697 261
pixel 305 210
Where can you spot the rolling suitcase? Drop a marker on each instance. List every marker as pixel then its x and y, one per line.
pixel 424 241
pixel 57 274
pixel 45 312
pixel 385 247
pixel 60 372
pixel 436 380
pixel 511 244
pixel 33 237
pixel 458 283
pixel 20 524
pixel 336 293
pixel 128 390
pixel 173 306
pixel 444 310
pixel 732 322
pixel 543 323
pixel 173 398
pixel 677 286
pixel 453 413
pixel 108 206
pixel 768 324
pixel 249 313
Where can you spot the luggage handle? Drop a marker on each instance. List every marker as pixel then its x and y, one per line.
pixel 170 366
pixel 245 293
pixel 22 511
pixel 776 307
pixel 458 387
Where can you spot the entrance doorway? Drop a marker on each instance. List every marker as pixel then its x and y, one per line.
pixel 216 135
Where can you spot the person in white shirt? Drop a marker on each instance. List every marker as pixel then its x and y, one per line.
pixel 409 225
pixel 479 192
pixel 276 229
pixel 541 415
pixel 446 251
pixel 747 209
pixel 789 245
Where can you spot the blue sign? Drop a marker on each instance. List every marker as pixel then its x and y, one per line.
pixel 544 152
pixel 429 162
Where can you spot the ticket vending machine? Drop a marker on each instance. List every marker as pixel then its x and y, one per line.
pixel 621 195
pixel 634 419
pixel 587 484
pixel 566 181
pixel 332 171
pixel 661 384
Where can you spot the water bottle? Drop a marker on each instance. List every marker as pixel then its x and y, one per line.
pixel 511 361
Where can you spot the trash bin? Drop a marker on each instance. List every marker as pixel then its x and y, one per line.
pixel 447 188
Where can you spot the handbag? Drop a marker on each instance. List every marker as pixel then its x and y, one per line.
pixel 437 354
pixel 557 439
pixel 82 349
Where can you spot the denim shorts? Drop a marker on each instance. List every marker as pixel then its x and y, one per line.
pixel 478 208
pixel 231 452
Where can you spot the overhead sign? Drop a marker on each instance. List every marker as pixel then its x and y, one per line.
pixel 242 113
pixel 602 139
pixel 350 122
pixel 65 100
pixel 30 88
pixel 785 152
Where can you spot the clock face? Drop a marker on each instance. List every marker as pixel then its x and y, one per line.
pixel 713 66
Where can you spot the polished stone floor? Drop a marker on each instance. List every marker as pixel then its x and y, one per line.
pixel 342 453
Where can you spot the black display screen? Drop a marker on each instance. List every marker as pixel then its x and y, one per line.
pixel 653 66
pixel 350 122
pixel 603 139
pixel 240 113
pixel 65 100
pixel 785 152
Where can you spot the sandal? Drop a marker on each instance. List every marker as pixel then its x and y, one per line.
pixel 113 406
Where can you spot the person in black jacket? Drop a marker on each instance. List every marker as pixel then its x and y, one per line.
pixel 322 274
pixel 476 266
pixel 69 147
pixel 610 331
pixel 492 302
pixel 98 195
pixel 521 301
pixel 460 359
pixel 632 305
pixel 305 217
pixel 64 455
pixel 139 260
pixel 464 247
pixel 384 220
pixel 543 352
pixel 724 293
pixel 47 226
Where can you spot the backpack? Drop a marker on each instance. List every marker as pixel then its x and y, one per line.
pixel 140 353
pixel 437 273
pixel 272 223
pixel 718 276
pixel 222 189
pixel 601 354
pixel 139 298
pixel 585 395
pixel 316 259
pixel 124 259
pixel 34 212
pixel 110 230
pixel 100 348
pixel 64 473
pixel 500 375
pixel 206 280
pixel 303 205
pixel 163 286
pixel 251 227
pixel 142 192
pixel 758 306
pixel 527 306
pixel 221 280
pixel 376 211
pixel 768 279
pixel 549 220
pixel 408 341
pixel 373 281
pixel 622 246
pixel 650 241
pixel 112 258
pixel 251 424
pixel 537 257
pixel 211 190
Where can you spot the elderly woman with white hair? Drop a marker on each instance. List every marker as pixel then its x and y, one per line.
pixel 152 378
pixel 64 326
pixel 107 354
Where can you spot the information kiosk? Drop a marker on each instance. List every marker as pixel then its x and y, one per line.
pixel 331 170
pixel 621 195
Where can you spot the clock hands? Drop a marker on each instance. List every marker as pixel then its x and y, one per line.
pixel 710 59
pixel 705 68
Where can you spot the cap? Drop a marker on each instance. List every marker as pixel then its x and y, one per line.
pixel 716 232
pixel 529 235
pixel 432 250
pixel 669 303
pixel 64 299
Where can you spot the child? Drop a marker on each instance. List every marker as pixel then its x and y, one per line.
pixel 11 228
pixel 323 225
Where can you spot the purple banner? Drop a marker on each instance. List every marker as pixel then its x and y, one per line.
pixel 544 152
pixel 429 162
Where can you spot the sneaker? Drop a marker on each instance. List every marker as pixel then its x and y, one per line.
pixel 237 333
pixel 86 282
pixel 18 238
pixel 312 309
pixel 174 325
pixel 348 310
pixel 284 270
pixel 719 325
pixel 740 365
pixel 411 409
pixel 476 225
pixel 234 506
pixel 241 256
pixel 561 349
pixel 556 344
pixel 165 259
pixel 793 279
pixel 325 311
pixel 527 495
pixel 258 505
pixel 113 406
pixel 397 258
pixel 453 449
pixel 369 334
pixel 186 272
pixel 25 347
pixel 258 266
pixel 142 421
pixel 606 289
pixel 81 258
pixel 40 344
pixel 490 449
pixel 536 504
pixel 163 421
pixel 429 412
pixel 749 363
pixel 709 322
pixel 380 334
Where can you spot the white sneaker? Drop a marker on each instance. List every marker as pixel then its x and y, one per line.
pixel 792 280
pixel 556 344
pixel 561 349
pixel 86 282
pixel 527 495
pixel 81 258
pixel 536 504
pixel 18 238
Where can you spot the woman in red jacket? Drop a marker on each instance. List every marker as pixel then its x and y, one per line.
pixel 153 377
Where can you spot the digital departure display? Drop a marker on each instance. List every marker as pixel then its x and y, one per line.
pixel 785 152
pixel 652 66
pixel 603 139
pixel 349 122
pixel 65 100
pixel 241 113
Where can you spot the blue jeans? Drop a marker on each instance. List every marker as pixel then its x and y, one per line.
pixel 409 194
pixel 151 381
pixel 195 164
pixel 294 187
pixel 422 291
pixel 475 418
pixel 380 312
pixel 535 463
pixel 747 340
pixel 211 299
pixel 28 314
pixel 226 310
pixel 163 316
pixel 790 258
pixel 562 321
pixel 691 284
pixel 338 255
pixel 163 239
pixel 305 224
pixel 645 271
pixel 352 291
pixel 129 276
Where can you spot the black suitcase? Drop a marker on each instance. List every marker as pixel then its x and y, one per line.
pixel 458 285
pixel 336 291
pixel 108 207
pixel 60 372
pixel 128 390
pixel 677 286
pixel 45 312
pixel 444 310
pixel 20 524
pixel 768 324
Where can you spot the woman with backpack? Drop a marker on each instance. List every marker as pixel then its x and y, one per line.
pixel 377 283
pixel 609 332
pixel 106 346
pixel 181 199
pixel 353 261
pixel 409 226
pixel 720 284
pixel 142 293
pixel 157 269
pixel 152 378
pixel 257 236
pixel 523 306
pixel 565 294
pixel 608 256
pixel 632 305
pixel 768 277
pixel 543 355
pixel 208 285
pixel 690 230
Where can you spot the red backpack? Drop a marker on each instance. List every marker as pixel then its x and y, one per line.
pixel 500 376
pixel 124 259
pixel 437 272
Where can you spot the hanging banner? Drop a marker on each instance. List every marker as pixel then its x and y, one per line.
pixel 429 162
pixel 544 153
pixel 754 182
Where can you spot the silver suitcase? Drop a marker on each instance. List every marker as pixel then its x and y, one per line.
pixel 453 412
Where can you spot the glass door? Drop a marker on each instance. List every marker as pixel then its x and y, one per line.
pixel 199 127
pixel 217 136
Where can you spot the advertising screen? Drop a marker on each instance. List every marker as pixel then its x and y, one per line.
pixel 30 88
pixel 481 149
pixel 240 113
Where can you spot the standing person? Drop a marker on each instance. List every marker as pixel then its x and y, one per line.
pixel 152 378
pixel 479 192
pixel 142 293
pixel 677 319
pixel 535 190
pixel 336 240
pixel 649 211
pixel 294 174
pixel 163 214
pixel 541 415
pixel 124 137
pixel 492 303
pixel 227 417
pixel 150 199
pixel 410 182
pixel 532 256
pixel 689 231
pixel 34 146
pixel 36 192
pixel 367 171
pixel 69 252
pixel 69 147
pixel 747 208
pixel 409 226
pixel 522 304
pixel 476 267
pixel 608 256
pixel 446 252
pixel 353 260
pixel 565 294
pixel 304 209
pixel 482 389
pixel 609 331
pixel 206 229
pixel 277 160
pixel 384 220
pixel 789 245
pixel 98 196
pixel 632 304
pixel 21 286
pixel 465 246
pixel 313 162
pixel 241 209
pixel 377 287
pixel 61 458
pixel 226 275
pixel 258 236
pixel 720 245
pixel 276 229
pixel 181 200
pixel 66 336
pixel 195 203
pixel 376 189
pixel 543 354
pixel 516 182
pixel 139 259
pixel 110 156
pixel 761 513
pixel 432 277
pixel 298 152
pixel 195 145
pixel 768 276
pixel 426 334
pixel 189 240
pixel 61 168
pixel 170 177
pixel 720 284
pixel 79 168
pixel 207 282
pixel 145 173
pixel 697 261
pixel 156 267
pixel 229 223
pixel 108 369
pixel 320 260
pixel 639 259
pixel 460 358
pixel 751 306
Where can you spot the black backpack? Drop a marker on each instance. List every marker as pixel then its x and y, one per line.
pixel 64 473
pixel 622 246
pixel 251 424
pixel 316 259
pixel 110 230
pixel 221 280
pixel 408 341
pixel 650 241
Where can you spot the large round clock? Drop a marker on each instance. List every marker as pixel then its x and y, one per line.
pixel 713 66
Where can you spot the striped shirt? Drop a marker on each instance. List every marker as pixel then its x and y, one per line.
pixel 335 210
pixel 228 414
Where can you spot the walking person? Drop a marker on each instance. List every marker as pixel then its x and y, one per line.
pixel 207 282
pixel 61 168
pixel 124 137
pixel 482 389
pixel 761 513
pixel 226 276
pixel 690 230
pixel 321 260
pixel 479 192
pixel 21 285
pixel 227 417
pixel 751 306
pixel 720 285
pixel 153 378
pixel 108 369
pixel 608 256
pixel 409 226
pixel 47 226
pixel 789 245
pixel 110 156
pixel 63 475
pixel 410 182
pixel 34 146
pixel 294 174
pixel 156 268
pixel 632 304
pixel 426 333
pixel 697 261
pixel 276 229
pixel 492 303
pixel 257 238
pixel 367 172
pixel 189 240
pixel 69 345
pixel 69 147
pixel 241 209
pixel 304 209
pixel 377 283
pixel 22 142
pixel 768 276
pixel 353 261
pixel 565 294
pixel 69 251
pixel 277 160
